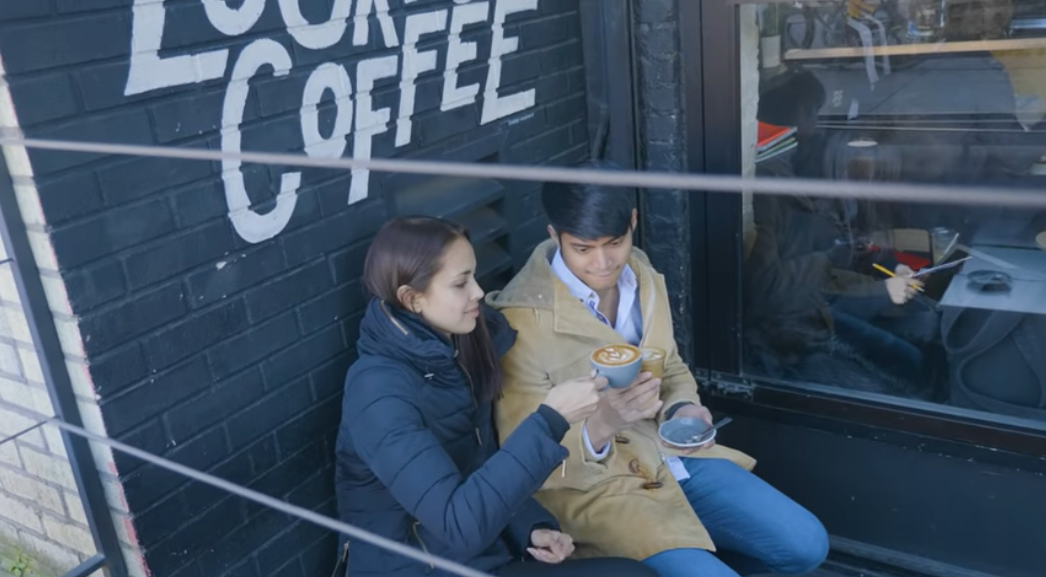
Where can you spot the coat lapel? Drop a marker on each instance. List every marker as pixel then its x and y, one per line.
pixel 647 296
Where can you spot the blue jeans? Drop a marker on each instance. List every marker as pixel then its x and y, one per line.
pixel 755 528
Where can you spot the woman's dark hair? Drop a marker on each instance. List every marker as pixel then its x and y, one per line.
pixel 588 211
pixel 408 251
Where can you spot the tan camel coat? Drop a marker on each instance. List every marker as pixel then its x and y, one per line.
pixel 628 504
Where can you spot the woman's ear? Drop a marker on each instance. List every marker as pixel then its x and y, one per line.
pixel 408 299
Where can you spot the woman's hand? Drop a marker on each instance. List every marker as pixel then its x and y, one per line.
pixel 550 546
pixel 902 287
pixel 576 399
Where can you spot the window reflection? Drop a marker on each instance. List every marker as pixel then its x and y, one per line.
pixel 942 91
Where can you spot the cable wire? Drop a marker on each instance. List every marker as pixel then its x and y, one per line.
pixel 271 502
pixel 919 193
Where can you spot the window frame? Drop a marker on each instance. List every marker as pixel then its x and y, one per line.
pixel 713 99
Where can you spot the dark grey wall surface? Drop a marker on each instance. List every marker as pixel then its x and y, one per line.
pixel 960 512
pixel 218 305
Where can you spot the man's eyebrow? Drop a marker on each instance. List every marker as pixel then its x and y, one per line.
pixel 590 244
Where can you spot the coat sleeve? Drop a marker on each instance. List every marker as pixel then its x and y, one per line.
pixel 530 517
pixel 678 385
pixel 776 271
pixel 526 385
pixel 466 513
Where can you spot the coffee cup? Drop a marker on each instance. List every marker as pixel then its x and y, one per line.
pixel 618 364
pixel 653 361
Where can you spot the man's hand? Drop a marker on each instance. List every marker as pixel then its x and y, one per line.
pixel 694 412
pixel 550 546
pixel 620 408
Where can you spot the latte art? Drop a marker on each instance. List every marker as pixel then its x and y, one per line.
pixel 615 355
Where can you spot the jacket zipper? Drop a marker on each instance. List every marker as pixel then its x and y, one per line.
pixel 417 536
pixel 344 561
pixel 472 388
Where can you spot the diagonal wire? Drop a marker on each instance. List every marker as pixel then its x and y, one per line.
pixel 921 193
pixel 271 502
pixel 27 430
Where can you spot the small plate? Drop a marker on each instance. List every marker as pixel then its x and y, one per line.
pixel 686 433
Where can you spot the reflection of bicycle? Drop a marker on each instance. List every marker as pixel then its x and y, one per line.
pixel 849 23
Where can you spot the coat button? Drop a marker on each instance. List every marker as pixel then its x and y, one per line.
pixel 633 466
pixel 654 485
pixel 621 439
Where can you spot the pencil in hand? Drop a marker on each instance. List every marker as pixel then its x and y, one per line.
pixel 889 272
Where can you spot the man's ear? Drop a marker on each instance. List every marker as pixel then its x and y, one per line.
pixel 635 219
pixel 555 235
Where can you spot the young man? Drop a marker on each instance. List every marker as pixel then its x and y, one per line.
pixel 622 492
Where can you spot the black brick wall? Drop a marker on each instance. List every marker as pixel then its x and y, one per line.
pixel 662 147
pixel 225 355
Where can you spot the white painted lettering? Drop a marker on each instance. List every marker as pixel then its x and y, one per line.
pixel 458 53
pixel 361 34
pixel 233 21
pixel 369 122
pixel 316 36
pixel 353 98
pixel 150 72
pixel 250 225
pixel 334 78
pixel 415 64
pixel 495 107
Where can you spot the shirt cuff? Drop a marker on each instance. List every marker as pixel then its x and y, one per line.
pixel 597 455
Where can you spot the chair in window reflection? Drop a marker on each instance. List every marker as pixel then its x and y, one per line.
pixel 997 361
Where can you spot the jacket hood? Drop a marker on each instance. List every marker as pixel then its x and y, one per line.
pixel 394 333
pixel 535 286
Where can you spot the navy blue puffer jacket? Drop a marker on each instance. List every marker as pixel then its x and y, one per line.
pixel 417 457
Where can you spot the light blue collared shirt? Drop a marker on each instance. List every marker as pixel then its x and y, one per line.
pixel 629 322
pixel 629 315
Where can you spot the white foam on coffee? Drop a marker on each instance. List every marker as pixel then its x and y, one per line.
pixel 652 354
pixel 612 355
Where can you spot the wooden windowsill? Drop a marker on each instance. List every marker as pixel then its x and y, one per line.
pixel 917 49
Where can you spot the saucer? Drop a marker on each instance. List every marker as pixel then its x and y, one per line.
pixel 686 433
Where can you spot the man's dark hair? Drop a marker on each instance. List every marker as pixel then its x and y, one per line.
pixel 588 211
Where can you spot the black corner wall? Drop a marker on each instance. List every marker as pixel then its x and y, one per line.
pixel 218 305
pixel 662 147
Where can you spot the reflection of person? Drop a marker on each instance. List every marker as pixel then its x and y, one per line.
pixel 417 457
pixel 808 286
pixel 802 290
pixel 621 491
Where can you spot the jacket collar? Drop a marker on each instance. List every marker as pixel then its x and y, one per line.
pixel 392 332
pixel 536 286
pixel 403 336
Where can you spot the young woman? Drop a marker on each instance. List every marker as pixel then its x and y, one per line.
pixel 417 455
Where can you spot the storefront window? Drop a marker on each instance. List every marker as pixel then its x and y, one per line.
pixel 940 91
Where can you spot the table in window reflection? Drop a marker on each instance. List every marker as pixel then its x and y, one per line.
pixel 1025 266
